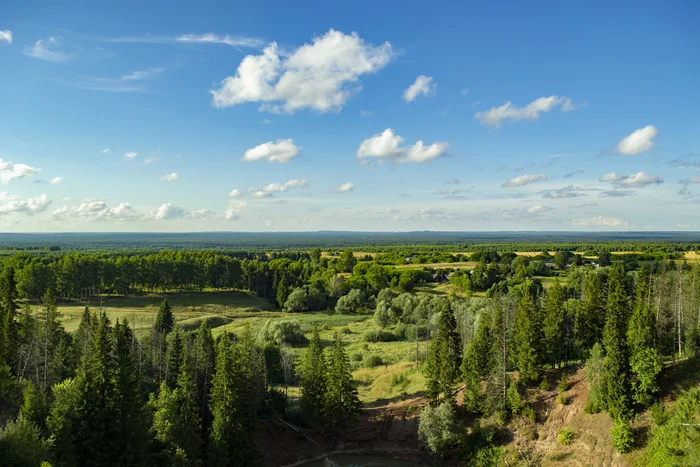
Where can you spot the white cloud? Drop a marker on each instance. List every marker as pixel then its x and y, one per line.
pixel 582 205
pixel 612 177
pixel 137 75
pixel 10 171
pixel 422 85
pixel 6 36
pixel 639 179
pixel 105 151
pixel 456 191
pixel 321 76
pixel 344 188
pixel 168 211
pixel 231 214
pixel 523 180
pixel 453 181
pixel 56 180
pixel 93 210
pixel 204 215
pixel 283 150
pixel 600 221
pixel 49 50
pixel 538 208
pixel 235 192
pixel 170 177
pixel 268 191
pixel 640 140
pixel 149 160
pixel 10 203
pixel 387 146
pixel 617 193
pixel 130 155
pixel 211 38
pixel 569 191
pixel 496 115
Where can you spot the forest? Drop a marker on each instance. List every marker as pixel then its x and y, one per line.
pixel 480 347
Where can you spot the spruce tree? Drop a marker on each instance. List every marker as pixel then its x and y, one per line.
pixel 130 421
pixel 204 361
pixel 165 322
pixel 590 318
pixel 313 382
pixel 617 380
pixel 554 324
pixel 9 332
pixel 526 339
pixel 342 403
pixel 176 349
pixel 444 357
pixel 163 326
pixel 477 364
pixel 498 380
pixel 83 335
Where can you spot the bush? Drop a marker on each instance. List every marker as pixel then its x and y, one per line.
pixel 544 385
pixel 529 414
pixel 658 413
pixel 21 443
pixel 622 436
pixel 564 384
pixel 345 330
pixel 356 357
pixel 296 301
pixel 373 360
pixel 565 437
pixel 438 428
pixel 283 332
pixel 350 303
pixel 513 399
pixel 562 399
pixel 378 335
pixel 591 407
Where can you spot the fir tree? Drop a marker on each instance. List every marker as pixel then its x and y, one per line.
pixel 342 403
pixel 204 360
pixel 313 382
pixel 9 333
pixel 615 343
pixel 498 380
pixel 444 357
pixel 176 349
pixel 83 335
pixel 526 339
pixel 554 325
pixel 477 364
pixel 590 318
pixel 165 322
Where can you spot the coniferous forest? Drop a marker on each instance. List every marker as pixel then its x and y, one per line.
pixel 483 339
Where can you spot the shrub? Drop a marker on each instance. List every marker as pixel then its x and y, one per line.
pixel 350 303
pixel 544 385
pixel 400 380
pixel 378 335
pixel 283 332
pixel 562 399
pixel 529 414
pixel 591 407
pixel 345 330
pixel 356 357
pixel 373 360
pixel 622 436
pixel 438 428
pixel 658 413
pixel 513 399
pixel 564 384
pixel 296 301
pixel 565 437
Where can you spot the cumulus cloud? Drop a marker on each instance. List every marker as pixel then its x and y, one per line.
pixel 321 75
pixel 6 36
pixel 496 115
pixel 11 203
pixel 422 85
pixel 169 211
pixel 149 160
pixel 523 180
pixel 387 146
pixel 211 38
pixel 170 177
pixel 235 192
pixel 616 193
pixel 640 179
pixel 538 208
pixel 344 188
pixel 269 191
pixel 130 155
pixel 56 180
pixel 10 171
pixel 48 49
pixel 600 221
pixel 640 140
pixel 93 210
pixel 283 150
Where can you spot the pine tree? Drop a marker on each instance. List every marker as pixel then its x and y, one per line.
pixel 165 322
pixel 313 382
pixel 617 380
pixel 526 339
pixel 176 349
pixel 554 325
pixel 83 335
pixel 131 426
pixel 163 326
pixel 590 318
pixel 342 403
pixel 444 357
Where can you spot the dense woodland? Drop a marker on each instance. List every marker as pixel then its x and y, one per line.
pixel 103 395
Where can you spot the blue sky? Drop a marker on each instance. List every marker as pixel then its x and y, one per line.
pixel 391 116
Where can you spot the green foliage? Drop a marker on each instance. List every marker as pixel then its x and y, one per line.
pixel 563 384
pixel 352 303
pixel 544 384
pixel 565 437
pixel 297 301
pixel 595 375
pixel 513 398
pixel 378 335
pixel 342 404
pixel 562 399
pixel 677 441
pixel 21 444
pixel 658 413
pixel 373 360
pixel 439 428
pixel 554 324
pixel 314 382
pixel 282 331
pixel 480 448
pixel 444 357
pixel 529 413
pixel 164 320
pixel 622 436
pixel 646 365
pixel 590 315
pixel 526 339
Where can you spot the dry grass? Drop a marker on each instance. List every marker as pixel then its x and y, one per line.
pixel 386 382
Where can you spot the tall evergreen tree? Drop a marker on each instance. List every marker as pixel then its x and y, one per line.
pixel 498 380
pixel 313 382
pixel 176 350
pixel 617 379
pixel 526 339
pixel 130 422
pixel 342 403
pixel 554 325
pixel 444 357
pixel 9 333
pixel 163 326
pixel 204 361
pixel 477 364
pixel 590 318
pixel 83 335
